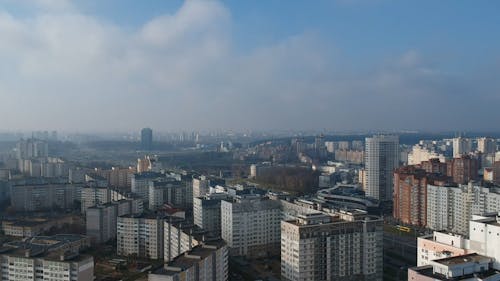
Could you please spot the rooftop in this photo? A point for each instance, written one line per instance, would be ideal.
(190, 258)
(43, 246)
(451, 261)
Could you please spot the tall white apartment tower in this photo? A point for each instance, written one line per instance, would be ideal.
(381, 158)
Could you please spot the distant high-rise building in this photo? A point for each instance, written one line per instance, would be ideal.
(381, 158)
(461, 146)
(486, 145)
(146, 139)
(420, 153)
(434, 166)
(31, 148)
(463, 169)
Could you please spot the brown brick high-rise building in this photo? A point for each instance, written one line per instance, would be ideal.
(463, 169)
(410, 193)
(434, 166)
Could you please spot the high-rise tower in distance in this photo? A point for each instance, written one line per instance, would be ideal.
(381, 158)
(146, 139)
(461, 146)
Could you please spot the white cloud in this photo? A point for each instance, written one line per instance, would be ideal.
(62, 69)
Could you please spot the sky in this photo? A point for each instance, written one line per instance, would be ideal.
(345, 65)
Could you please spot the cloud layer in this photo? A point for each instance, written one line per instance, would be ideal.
(63, 69)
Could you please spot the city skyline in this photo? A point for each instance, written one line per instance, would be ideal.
(124, 65)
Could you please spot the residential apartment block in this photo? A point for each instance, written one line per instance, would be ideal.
(251, 226)
(205, 262)
(450, 208)
(341, 246)
(46, 258)
(140, 235)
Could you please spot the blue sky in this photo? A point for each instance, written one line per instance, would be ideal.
(253, 64)
(359, 28)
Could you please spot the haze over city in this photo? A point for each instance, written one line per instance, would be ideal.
(231, 140)
(343, 65)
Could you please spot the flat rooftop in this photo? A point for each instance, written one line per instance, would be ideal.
(428, 271)
(451, 261)
(189, 259)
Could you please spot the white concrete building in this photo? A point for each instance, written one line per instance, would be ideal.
(470, 267)
(381, 158)
(140, 235)
(344, 246)
(420, 153)
(207, 212)
(46, 258)
(451, 208)
(101, 220)
(201, 186)
(461, 146)
(447, 256)
(251, 227)
(440, 245)
(484, 237)
(92, 196)
(179, 237)
(140, 183)
(167, 191)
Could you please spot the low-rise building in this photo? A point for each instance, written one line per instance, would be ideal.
(440, 245)
(47, 258)
(471, 267)
(32, 227)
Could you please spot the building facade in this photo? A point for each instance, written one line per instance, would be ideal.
(346, 246)
(463, 169)
(452, 207)
(42, 197)
(206, 262)
(58, 259)
(251, 226)
(140, 235)
(147, 139)
(207, 212)
(381, 158)
(410, 194)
